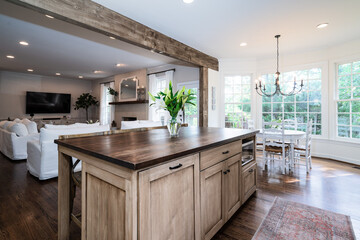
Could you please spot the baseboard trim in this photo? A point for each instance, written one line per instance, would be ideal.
(339, 159)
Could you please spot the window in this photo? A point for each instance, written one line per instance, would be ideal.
(157, 83)
(348, 100)
(302, 107)
(237, 100)
(191, 112)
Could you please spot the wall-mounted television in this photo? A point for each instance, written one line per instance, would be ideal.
(41, 102)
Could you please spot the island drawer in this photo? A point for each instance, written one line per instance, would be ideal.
(213, 156)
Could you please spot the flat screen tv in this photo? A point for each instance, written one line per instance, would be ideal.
(41, 102)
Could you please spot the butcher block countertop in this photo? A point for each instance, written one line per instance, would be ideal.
(137, 150)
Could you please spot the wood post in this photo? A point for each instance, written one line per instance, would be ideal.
(203, 96)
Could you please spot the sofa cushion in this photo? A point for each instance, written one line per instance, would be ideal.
(139, 124)
(18, 128)
(31, 127)
(52, 126)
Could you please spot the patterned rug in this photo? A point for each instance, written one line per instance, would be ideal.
(290, 220)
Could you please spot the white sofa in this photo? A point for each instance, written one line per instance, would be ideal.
(42, 161)
(139, 124)
(14, 136)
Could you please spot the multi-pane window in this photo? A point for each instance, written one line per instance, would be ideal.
(348, 100)
(191, 111)
(302, 107)
(237, 100)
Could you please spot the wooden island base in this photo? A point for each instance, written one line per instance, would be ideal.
(187, 192)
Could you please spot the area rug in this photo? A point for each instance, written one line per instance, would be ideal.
(291, 220)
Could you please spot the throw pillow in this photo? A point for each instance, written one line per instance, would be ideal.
(25, 121)
(31, 127)
(3, 124)
(19, 129)
(17, 120)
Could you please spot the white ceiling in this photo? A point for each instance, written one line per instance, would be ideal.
(57, 46)
(217, 27)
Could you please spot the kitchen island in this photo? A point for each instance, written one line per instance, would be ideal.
(146, 185)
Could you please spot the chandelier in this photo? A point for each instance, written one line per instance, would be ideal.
(261, 89)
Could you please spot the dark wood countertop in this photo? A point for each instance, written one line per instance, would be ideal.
(137, 150)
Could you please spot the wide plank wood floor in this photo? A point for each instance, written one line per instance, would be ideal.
(28, 207)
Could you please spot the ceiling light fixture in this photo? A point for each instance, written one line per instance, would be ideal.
(57, 74)
(322, 25)
(10, 56)
(30, 70)
(24, 43)
(243, 44)
(188, 1)
(261, 90)
(80, 76)
(48, 16)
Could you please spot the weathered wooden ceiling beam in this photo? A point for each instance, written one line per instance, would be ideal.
(95, 17)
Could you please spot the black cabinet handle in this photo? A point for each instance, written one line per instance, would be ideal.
(225, 172)
(226, 152)
(175, 167)
(228, 170)
(251, 170)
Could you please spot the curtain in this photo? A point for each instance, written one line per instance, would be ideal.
(107, 112)
(159, 83)
(103, 104)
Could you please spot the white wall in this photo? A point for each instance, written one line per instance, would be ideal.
(328, 145)
(13, 87)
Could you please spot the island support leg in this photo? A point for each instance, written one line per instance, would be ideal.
(65, 162)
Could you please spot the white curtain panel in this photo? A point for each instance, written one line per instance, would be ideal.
(112, 107)
(103, 103)
(154, 83)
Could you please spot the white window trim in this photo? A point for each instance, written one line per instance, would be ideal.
(324, 94)
(336, 64)
(222, 94)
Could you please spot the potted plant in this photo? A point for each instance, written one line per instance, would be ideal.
(113, 92)
(85, 101)
(173, 103)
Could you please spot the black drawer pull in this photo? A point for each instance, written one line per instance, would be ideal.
(228, 170)
(226, 152)
(177, 166)
(251, 170)
(225, 172)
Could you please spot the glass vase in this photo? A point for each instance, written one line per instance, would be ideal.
(174, 127)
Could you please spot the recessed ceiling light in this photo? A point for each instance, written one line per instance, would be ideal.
(80, 76)
(30, 70)
(57, 74)
(49, 16)
(10, 56)
(120, 65)
(24, 43)
(322, 25)
(112, 38)
(243, 44)
(98, 71)
(188, 1)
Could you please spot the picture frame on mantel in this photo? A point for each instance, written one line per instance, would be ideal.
(128, 89)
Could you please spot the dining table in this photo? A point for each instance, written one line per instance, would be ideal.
(291, 137)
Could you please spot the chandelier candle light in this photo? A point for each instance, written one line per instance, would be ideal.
(261, 89)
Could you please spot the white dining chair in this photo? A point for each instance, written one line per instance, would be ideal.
(274, 145)
(290, 124)
(303, 152)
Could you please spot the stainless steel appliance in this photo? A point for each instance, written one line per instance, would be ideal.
(248, 151)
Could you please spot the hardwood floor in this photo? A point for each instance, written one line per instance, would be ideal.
(28, 207)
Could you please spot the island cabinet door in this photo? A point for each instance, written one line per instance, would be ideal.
(212, 199)
(232, 185)
(169, 201)
(249, 181)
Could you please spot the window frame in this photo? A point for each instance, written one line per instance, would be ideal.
(324, 66)
(252, 102)
(337, 100)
